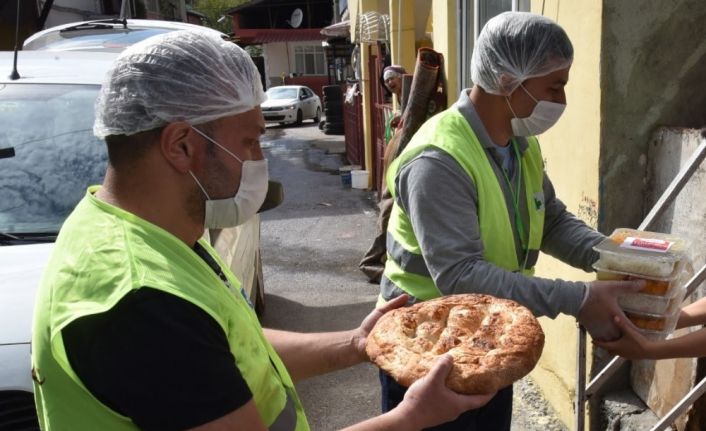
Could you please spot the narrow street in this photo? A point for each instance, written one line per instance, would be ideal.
(311, 246)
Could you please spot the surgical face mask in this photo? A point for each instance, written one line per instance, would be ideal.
(234, 211)
(544, 115)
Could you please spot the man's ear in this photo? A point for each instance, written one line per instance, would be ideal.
(180, 147)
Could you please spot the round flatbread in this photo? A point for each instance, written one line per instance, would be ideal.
(493, 341)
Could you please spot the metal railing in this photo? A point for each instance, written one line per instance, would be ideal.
(583, 392)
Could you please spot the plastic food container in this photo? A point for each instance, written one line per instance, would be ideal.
(651, 322)
(664, 286)
(650, 254)
(652, 304)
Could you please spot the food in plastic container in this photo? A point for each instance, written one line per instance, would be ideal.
(639, 252)
(648, 321)
(653, 304)
(653, 285)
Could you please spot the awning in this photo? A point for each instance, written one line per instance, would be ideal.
(253, 36)
(340, 29)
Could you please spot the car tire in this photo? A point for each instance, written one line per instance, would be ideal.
(300, 117)
(317, 117)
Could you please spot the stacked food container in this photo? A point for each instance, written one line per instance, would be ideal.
(657, 258)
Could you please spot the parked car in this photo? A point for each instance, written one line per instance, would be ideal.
(288, 104)
(48, 157)
(111, 35)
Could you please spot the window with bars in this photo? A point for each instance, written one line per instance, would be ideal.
(310, 60)
(473, 16)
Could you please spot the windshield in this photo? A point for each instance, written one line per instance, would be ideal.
(110, 40)
(281, 93)
(56, 157)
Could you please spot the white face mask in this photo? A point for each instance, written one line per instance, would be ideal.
(230, 212)
(544, 115)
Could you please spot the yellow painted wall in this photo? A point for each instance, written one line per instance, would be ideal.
(571, 151)
(402, 34)
(444, 23)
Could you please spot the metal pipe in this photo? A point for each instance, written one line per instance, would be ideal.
(676, 186)
(580, 403)
(681, 406)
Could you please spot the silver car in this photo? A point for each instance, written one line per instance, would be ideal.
(288, 104)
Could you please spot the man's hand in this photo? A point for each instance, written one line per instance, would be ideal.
(430, 402)
(360, 335)
(601, 305)
(632, 345)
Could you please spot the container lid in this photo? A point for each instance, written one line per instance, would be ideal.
(654, 246)
(599, 265)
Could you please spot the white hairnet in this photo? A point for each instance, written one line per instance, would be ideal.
(515, 46)
(189, 75)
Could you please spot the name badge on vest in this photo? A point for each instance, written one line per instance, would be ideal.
(538, 199)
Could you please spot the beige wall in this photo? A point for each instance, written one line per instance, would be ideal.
(571, 151)
(276, 62)
(444, 22)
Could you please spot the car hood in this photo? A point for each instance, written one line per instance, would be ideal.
(21, 268)
(278, 102)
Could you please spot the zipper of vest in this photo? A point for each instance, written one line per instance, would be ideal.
(516, 199)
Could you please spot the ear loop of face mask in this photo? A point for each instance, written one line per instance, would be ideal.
(507, 100)
(219, 146)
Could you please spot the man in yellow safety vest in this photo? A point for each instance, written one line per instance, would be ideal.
(474, 207)
(138, 324)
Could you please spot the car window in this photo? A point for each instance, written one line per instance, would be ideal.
(110, 40)
(308, 92)
(278, 93)
(50, 128)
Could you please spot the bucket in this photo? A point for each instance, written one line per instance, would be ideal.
(345, 173)
(359, 179)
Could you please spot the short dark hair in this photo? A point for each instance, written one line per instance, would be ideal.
(124, 150)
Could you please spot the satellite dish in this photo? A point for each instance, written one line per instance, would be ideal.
(296, 19)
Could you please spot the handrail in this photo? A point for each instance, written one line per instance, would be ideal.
(604, 375)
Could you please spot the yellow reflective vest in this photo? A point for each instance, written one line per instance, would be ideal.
(450, 132)
(102, 253)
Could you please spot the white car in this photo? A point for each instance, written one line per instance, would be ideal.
(108, 35)
(288, 104)
(48, 157)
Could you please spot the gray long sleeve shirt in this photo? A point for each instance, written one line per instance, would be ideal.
(441, 201)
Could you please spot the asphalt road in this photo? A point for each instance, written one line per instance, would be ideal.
(311, 245)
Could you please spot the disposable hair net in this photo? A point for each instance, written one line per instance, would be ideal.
(515, 46)
(190, 75)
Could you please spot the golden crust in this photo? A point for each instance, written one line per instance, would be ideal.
(493, 341)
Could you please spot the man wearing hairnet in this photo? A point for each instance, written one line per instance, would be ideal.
(138, 323)
(474, 207)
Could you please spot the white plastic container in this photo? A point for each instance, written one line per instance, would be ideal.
(359, 179)
(639, 252)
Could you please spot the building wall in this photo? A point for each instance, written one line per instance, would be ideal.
(444, 20)
(654, 61)
(571, 151)
(276, 62)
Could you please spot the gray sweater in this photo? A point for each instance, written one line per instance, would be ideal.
(441, 201)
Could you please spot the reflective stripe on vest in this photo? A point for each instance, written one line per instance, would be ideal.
(451, 133)
(406, 260)
(102, 254)
(287, 419)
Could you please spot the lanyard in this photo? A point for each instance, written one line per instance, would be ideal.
(516, 196)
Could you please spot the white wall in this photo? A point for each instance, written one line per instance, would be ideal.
(276, 62)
